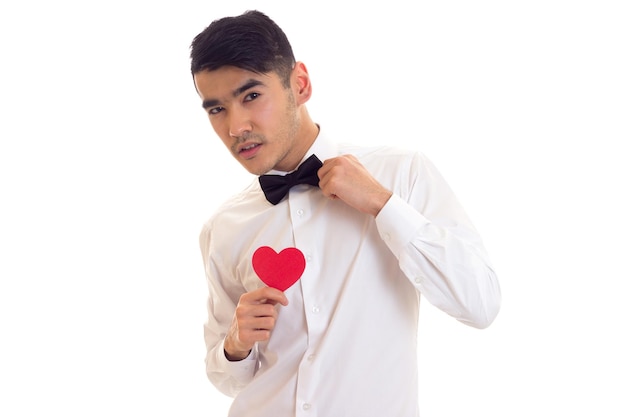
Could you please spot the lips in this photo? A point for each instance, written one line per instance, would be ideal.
(248, 150)
(248, 147)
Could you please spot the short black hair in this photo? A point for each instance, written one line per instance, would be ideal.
(251, 41)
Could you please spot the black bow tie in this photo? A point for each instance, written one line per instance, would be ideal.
(276, 187)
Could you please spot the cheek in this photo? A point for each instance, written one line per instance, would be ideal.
(221, 130)
(219, 126)
(265, 116)
(270, 114)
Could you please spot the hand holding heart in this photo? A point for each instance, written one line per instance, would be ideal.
(254, 320)
(255, 315)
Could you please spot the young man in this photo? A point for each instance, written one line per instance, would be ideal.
(381, 229)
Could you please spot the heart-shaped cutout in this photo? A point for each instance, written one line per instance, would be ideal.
(278, 270)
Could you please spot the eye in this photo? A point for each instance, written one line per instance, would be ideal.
(215, 110)
(251, 96)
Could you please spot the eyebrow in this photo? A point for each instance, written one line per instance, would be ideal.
(251, 83)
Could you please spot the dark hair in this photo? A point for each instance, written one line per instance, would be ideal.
(251, 41)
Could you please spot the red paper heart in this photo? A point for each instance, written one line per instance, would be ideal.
(278, 270)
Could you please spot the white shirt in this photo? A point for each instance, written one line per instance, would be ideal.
(346, 343)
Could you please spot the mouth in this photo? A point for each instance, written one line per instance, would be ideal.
(248, 150)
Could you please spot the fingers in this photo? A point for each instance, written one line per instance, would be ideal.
(334, 174)
(255, 318)
(255, 329)
(345, 178)
(264, 295)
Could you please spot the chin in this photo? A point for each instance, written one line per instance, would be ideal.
(254, 169)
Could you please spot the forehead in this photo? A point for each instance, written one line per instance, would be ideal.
(226, 82)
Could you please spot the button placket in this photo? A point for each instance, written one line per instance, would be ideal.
(305, 235)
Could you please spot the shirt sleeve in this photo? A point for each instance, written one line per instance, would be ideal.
(438, 248)
(229, 377)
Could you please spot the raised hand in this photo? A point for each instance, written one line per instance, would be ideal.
(345, 178)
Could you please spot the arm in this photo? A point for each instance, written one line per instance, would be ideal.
(236, 322)
(428, 231)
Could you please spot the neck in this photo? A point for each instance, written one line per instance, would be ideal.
(307, 133)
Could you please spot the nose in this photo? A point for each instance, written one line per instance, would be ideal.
(239, 123)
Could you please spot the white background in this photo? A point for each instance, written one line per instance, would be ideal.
(106, 161)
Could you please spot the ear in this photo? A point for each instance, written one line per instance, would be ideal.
(301, 83)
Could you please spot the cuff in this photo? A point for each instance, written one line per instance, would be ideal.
(240, 370)
(398, 223)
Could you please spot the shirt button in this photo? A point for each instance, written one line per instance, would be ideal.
(315, 309)
(300, 212)
(418, 280)
(386, 237)
(310, 358)
(306, 406)
(309, 258)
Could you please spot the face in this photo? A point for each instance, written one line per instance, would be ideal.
(256, 117)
